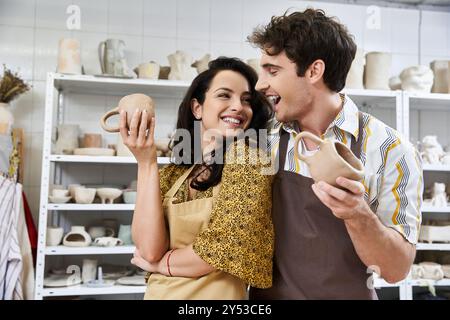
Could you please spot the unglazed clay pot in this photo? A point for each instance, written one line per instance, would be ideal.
(441, 76)
(180, 66)
(92, 140)
(54, 236)
(129, 104)
(148, 70)
(377, 70)
(84, 195)
(355, 76)
(333, 159)
(67, 140)
(69, 57)
(108, 195)
(202, 64)
(77, 237)
(417, 78)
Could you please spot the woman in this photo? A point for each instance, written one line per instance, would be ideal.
(204, 231)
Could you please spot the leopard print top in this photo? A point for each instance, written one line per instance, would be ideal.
(240, 237)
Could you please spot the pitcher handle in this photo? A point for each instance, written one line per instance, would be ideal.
(106, 116)
(101, 55)
(305, 134)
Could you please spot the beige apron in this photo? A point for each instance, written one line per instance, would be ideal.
(186, 220)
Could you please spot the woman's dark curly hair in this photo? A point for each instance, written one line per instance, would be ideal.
(262, 112)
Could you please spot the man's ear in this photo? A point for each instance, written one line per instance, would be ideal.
(196, 109)
(315, 71)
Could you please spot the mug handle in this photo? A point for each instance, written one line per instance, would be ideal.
(305, 134)
(106, 116)
(101, 55)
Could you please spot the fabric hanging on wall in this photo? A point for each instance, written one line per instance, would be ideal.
(10, 255)
(32, 231)
(27, 275)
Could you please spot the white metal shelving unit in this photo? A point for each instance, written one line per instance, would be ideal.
(422, 103)
(58, 86)
(391, 104)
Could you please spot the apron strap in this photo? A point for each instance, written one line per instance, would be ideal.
(282, 150)
(357, 145)
(176, 186)
(173, 190)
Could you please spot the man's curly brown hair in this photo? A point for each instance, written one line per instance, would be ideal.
(306, 37)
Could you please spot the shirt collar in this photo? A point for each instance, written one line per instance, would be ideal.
(346, 120)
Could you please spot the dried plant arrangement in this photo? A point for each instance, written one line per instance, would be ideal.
(11, 86)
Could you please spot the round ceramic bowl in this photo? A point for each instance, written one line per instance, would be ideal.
(84, 195)
(108, 195)
(55, 199)
(129, 196)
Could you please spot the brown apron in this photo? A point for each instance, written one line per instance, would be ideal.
(186, 220)
(314, 257)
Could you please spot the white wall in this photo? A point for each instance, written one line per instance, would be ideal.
(152, 29)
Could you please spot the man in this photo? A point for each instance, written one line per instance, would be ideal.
(328, 237)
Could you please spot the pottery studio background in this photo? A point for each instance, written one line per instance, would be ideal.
(30, 31)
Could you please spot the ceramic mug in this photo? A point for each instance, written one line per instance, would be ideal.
(129, 104)
(333, 159)
(125, 234)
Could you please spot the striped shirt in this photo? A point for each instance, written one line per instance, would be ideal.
(393, 168)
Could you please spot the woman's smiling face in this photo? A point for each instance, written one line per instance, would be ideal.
(227, 107)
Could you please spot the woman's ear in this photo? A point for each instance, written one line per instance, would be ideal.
(196, 109)
(316, 70)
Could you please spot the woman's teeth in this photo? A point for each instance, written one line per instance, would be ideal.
(232, 120)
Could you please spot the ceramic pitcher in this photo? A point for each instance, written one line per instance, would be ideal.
(129, 104)
(112, 57)
(333, 159)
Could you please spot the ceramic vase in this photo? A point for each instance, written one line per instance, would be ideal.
(54, 236)
(355, 76)
(180, 66)
(441, 76)
(67, 139)
(69, 57)
(377, 70)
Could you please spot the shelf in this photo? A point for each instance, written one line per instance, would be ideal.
(81, 290)
(90, 207)
(63, 250)
(433, 246)
(429, 208)
(374, 98)
(119, 87)
(100, 159)
(436, 167)
(424, 283)
(432, 101)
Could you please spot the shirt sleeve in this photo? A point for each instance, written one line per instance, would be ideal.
(400, 196)
(240, 238)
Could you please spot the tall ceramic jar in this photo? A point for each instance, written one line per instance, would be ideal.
(67, 139)
(6, 119)
(378, 70)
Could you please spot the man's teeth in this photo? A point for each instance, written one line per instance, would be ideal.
(273, 99)
(232, 120)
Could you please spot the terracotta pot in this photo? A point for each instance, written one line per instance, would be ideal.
(333, 159)
(92, 140)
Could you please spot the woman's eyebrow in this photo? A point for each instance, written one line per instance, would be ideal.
(226, 89)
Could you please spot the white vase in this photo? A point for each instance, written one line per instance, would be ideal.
(441, 76)
(69, 56)
(377, 71)
(6, 119)
(355, 77)
(89, 270)
(54, 236)
(67, 139)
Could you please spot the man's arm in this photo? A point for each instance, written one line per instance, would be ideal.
(375, 244)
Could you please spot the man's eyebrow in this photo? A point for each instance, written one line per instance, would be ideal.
(270, 65)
